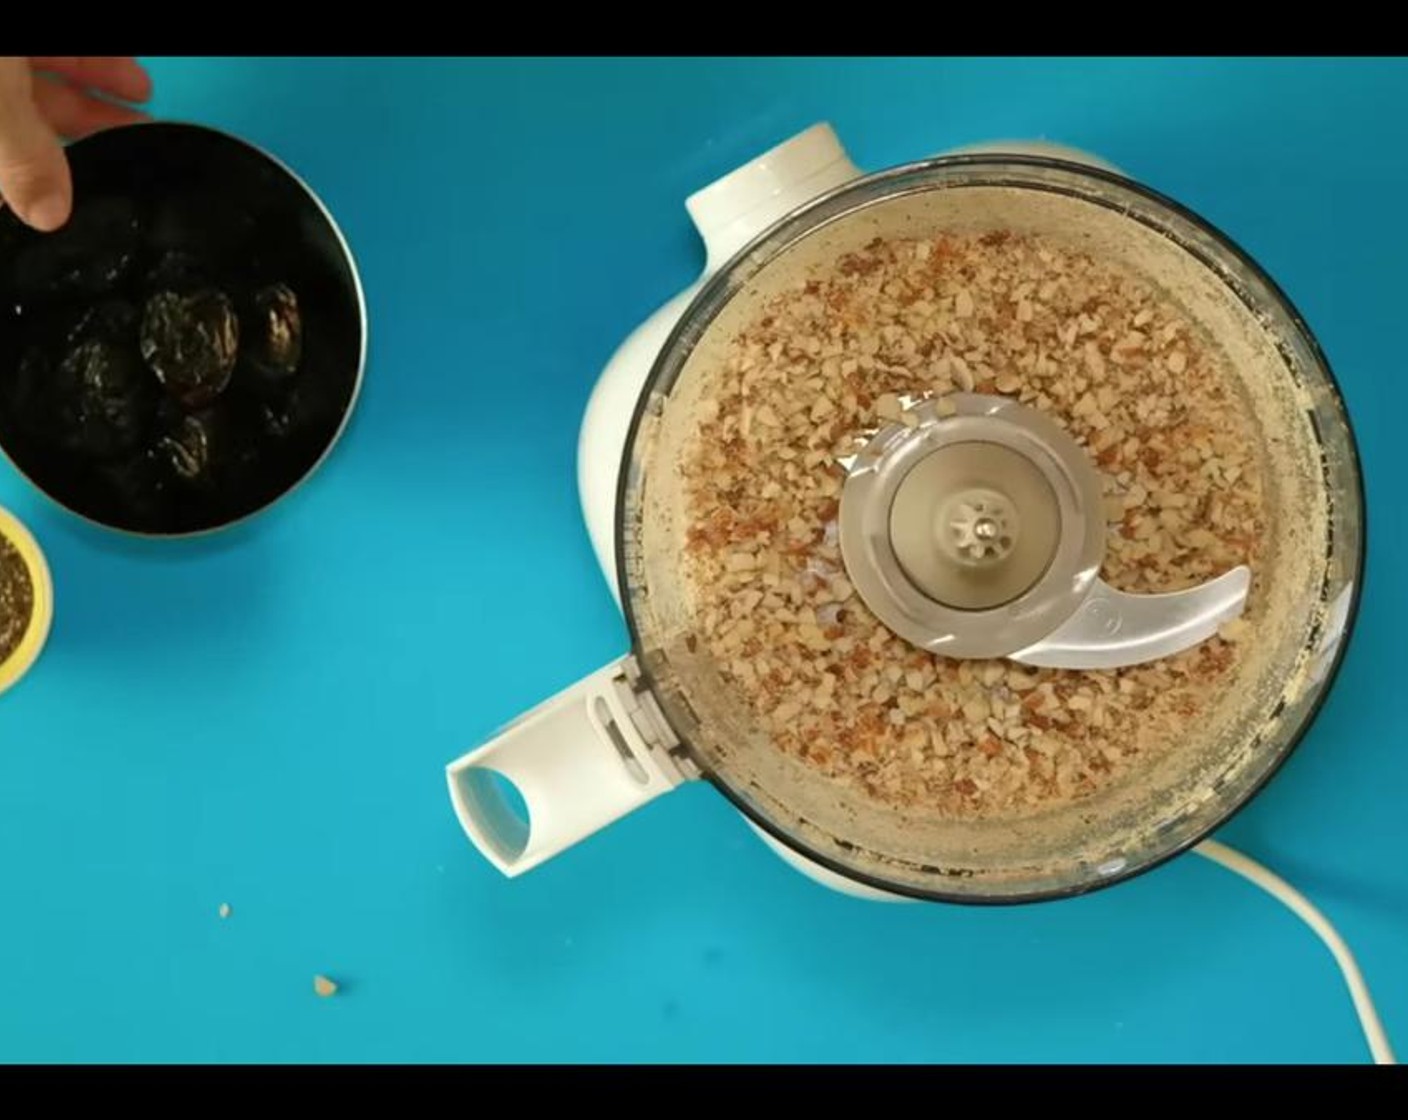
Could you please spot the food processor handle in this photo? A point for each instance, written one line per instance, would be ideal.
(579, 761)
(731, 211)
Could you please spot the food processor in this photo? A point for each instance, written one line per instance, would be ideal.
(968, 526)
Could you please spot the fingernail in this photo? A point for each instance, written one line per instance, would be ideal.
(49, 213)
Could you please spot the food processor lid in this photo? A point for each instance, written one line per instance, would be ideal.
(972, 526)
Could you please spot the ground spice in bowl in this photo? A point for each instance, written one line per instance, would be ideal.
(16, 599)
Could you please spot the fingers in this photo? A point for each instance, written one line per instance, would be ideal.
(122, 78)
(34, 175)
(73, 114)
(43, 96)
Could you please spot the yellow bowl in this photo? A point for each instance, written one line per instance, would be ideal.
(27, 652)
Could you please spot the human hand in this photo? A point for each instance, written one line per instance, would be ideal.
(45, 99)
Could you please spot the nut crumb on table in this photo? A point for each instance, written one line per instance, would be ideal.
(1117, 363)
(324, 987)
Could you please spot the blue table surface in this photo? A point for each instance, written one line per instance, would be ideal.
(262, 718)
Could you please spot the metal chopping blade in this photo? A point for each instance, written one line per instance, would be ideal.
(973, 527)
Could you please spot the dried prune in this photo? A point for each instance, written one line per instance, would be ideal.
(276, 420)
(113, 320)
(88, 256)
(274, 335)
(205, 225)
(188, 449)
(29, 390)
(190, 343)
(137, 487)
(279, 415)
(176, 271)
(97, 396)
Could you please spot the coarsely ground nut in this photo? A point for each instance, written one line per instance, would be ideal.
(1113, 360)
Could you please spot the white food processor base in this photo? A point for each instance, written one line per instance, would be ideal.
(728, 214)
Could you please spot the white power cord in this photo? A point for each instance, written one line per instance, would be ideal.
(1274, 885)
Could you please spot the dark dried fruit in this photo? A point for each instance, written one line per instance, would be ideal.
(190, 343)
(274, 340)
(112, 321)
(29, 390)
(188, 449)
(292, 413)
(276, 420)
(205, 225)
(88, 256)
(137, 486)
(97, 399)
(176, 271)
